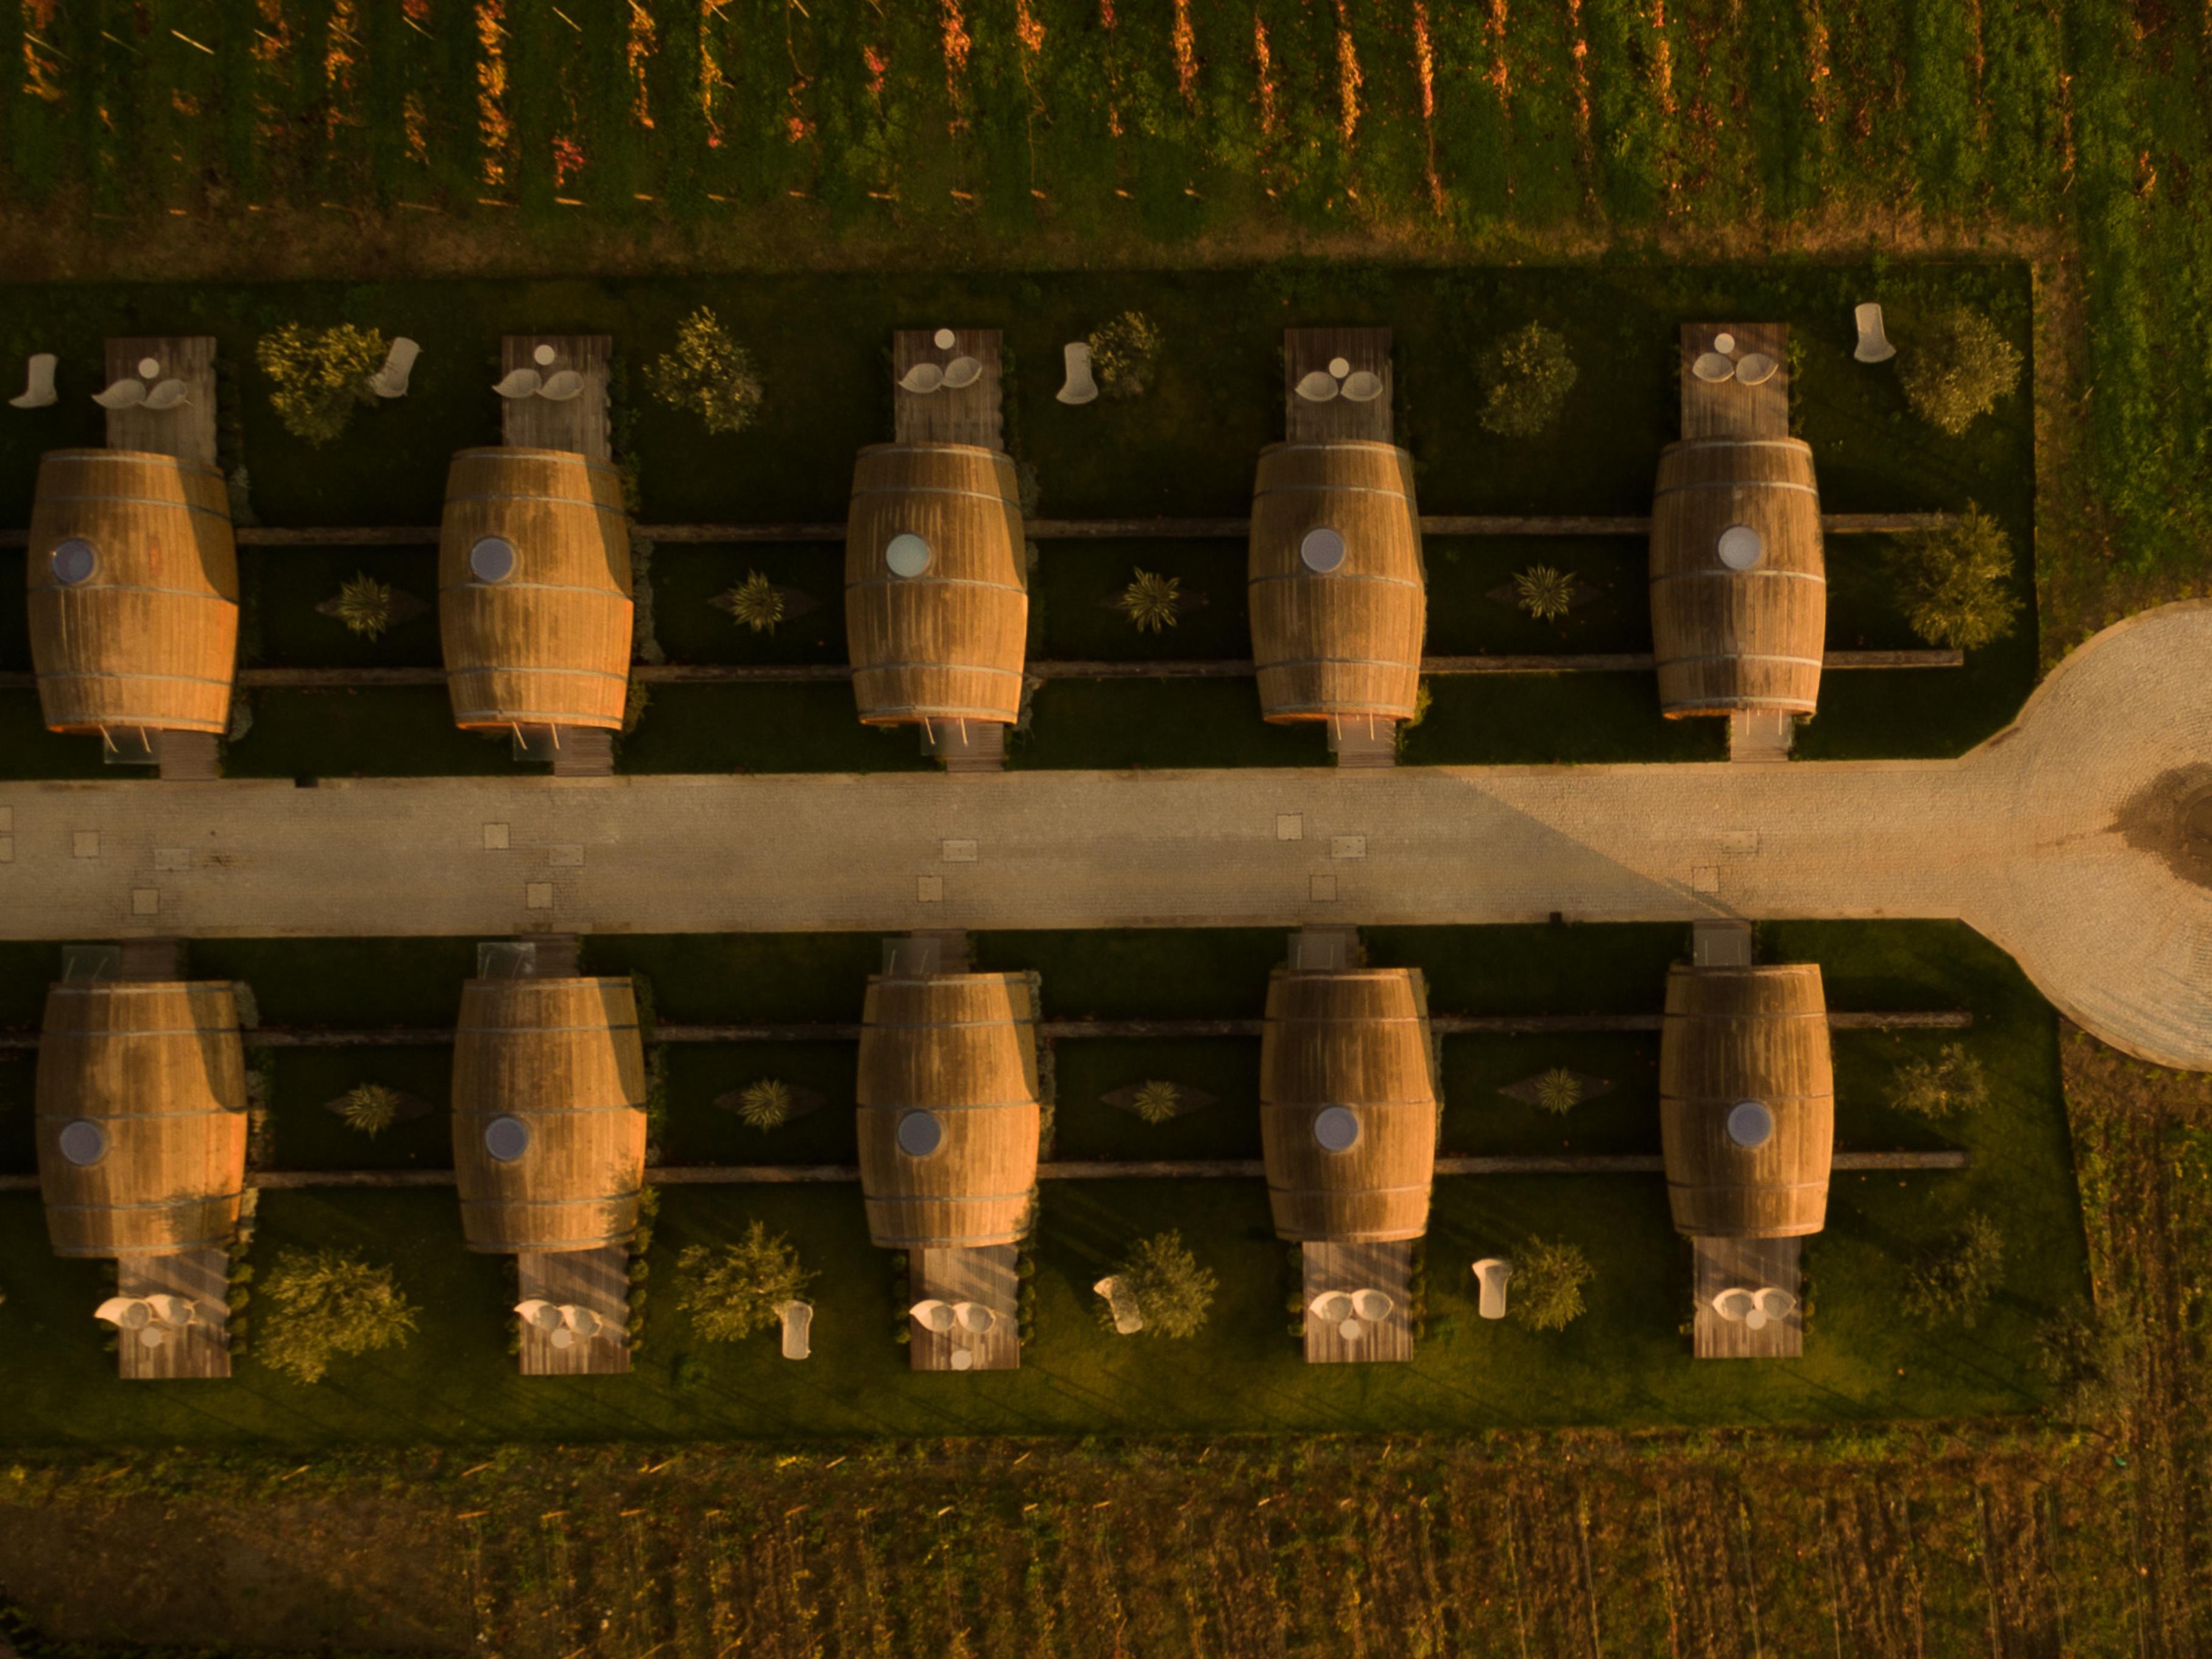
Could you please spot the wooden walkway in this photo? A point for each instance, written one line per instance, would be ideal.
(202, 1349)
(577, 424)
(984, 1275)
(1387, 1267)
(964, 414)
(188, 431)
(1747, 1264)
(1728, 409)
(594, 1279)
(1309, 351)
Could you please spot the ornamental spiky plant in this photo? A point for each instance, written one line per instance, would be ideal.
(364, 605)
(1558, 1090)
(756, 602)
(1545, 593)
(1152, 602)
(371, 1108)
(1158, 1102)
(766, 1105)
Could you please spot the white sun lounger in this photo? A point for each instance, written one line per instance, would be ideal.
(1492, 1274)
(1080, 387)
(391, 380)
(798, 1325)
(1873, 345)
(39, 382)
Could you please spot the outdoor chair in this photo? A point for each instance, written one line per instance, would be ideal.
(585, 1323)
(126, 393)
(922, 377)
(1873, 345)
(538, 1314)
(1127, 1320)
(561, 386)
(521, 383)
(1712, 368)
(933, 1316)
(1079, 387)
(1736, 1306)
(167, 395)
(974, 1318)
(1754, 368)
(1491, 1274)
(1775, 1304)
(1317, 387)
(391, 380)
(1332, 1307)
(1372, 1306)
(798, 1324)
(1362, 386)
(124, 1312)
(961, 371)
(38, 384)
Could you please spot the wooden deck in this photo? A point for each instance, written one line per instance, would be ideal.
(1307, 349)
(579, 425)
(985, 1275)
(971, 415)
(1728, 409)
(1751, 1264)
(1387, 1267)
(202, 1349)
(594, 1279)
(186, 432)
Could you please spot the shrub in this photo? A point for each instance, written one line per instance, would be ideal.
(369, 1107)
(1953, 1081)
(708, 374)
(731, 1291)
(318, 1306)
(1558, 1090)
(1157, 1103)
(1954, 583)
(1545, 594)
(1526, 377)
(364, 605)
(1122, 353)
(1958, 371)
(765, 1105)
(1172, 1292)
(1151, 602)
(319, 376)
(754, 601)
(1955, 1279)
(1548, 1277)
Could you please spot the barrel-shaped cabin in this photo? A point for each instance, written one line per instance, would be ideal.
(133, 593)
(1348, 1110)
(141, 1116)
(1739, 584)
(1747, 1100)
(549, 1113)
(937, 603)
(1336, 588)
(948, 1114)
(534, 594)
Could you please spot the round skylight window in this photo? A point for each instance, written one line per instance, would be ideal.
(1750, 1124)
(72, 560)
(1741, 547)
(83, 1142)
(507, 1138)
(920, 1133)
(1321, 548)
(492, 559)
(1335, 1129)
(907, 554)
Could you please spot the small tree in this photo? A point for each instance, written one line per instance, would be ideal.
(1548, 1277)
(1955, 1279)
(319, 1306)
(731, 1291)
(1558, 1090)
(1151, 602)
(1959, 370)
(1545, 593)
(766, 1105)
(755, 601)
(1158, 1102)
(1952, 1082)
(1526, 377)
(1954, 583)
(369, 1107)
(1172, 1292)
(1122, 353)
(364, 605)
(708, 374)
(319, 376)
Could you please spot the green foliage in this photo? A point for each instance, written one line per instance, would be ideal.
(731, 1291)
(765, 1105)
(1158, 1102)
(1172, 1292)
(1558, 1090)
(1953, 1281)
(1545, 593)
(1546, 1289)
(364, 605)
(755, 601)
(1526, 377)
(1123, 353)
(319, 376)
(370, 1108)
(1151, 602)
(1958, 369)
(1954, 583)
(316, 1307)
(1952, 1082)
(708, 374)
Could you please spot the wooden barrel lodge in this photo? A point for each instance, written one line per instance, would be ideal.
(948, 1109)
(534, 589)
(133, 577)
(141, 1116)
(1336, 587)
(1747, 1100)
(1738, 586)
(937, 602)
(549, 1113)
(1347, 1105)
